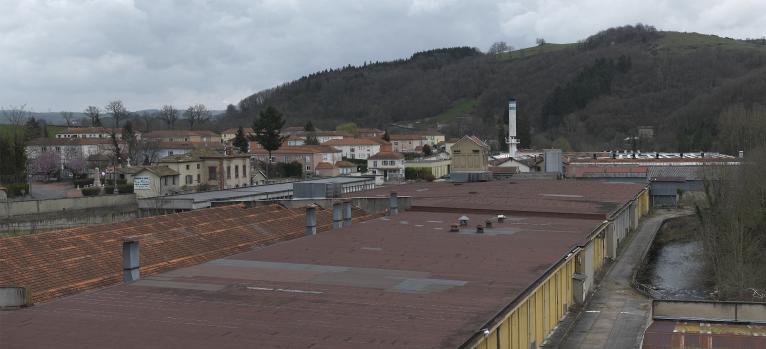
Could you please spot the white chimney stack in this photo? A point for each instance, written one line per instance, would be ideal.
(512, 140)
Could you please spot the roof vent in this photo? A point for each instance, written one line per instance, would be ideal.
(479, 229)
(500, 218)
(463, 220)
(488, 223)
(454, 228)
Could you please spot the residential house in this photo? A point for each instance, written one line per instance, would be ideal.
(92, 132)
(308, 155)
(151, 181)
(201, 169)
(407, 143)
(228, 135)
(340, 168)
(202, 137)
(369, 133)
(387, 165)
(72, 148)
(470, 160)
(357, 148)
(299, 138)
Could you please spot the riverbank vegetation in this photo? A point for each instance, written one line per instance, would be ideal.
(733, 214)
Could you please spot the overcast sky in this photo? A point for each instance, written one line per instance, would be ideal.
(67, 54)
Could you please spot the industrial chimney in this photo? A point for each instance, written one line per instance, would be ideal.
(512, 140)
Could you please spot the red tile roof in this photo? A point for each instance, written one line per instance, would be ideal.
(324, 166)
(355, 141)
(71, 141)
(298, 149)
(68, 261)
(179, 133)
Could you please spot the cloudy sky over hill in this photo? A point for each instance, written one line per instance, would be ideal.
(58, 55)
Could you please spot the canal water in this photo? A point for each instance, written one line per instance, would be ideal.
(674, 267)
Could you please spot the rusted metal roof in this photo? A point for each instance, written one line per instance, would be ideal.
(68, 261)
(669, 334)
(393, 282)
(585, 199)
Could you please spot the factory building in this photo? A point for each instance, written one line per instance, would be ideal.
(469, 265)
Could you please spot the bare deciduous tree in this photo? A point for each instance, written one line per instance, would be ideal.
(147, 151)
(196, 115)
(499, 47)
(169, 115)
(94, 113)
(68, 117)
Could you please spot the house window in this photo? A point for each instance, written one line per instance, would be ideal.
(212, 173)
(174, 180)
(244, 171)
(476, 151)
(197, 177)
(166, 180)
(186, 139)
(228, 172)
(236, 171)
(170, 152)
(308, 167)
(198, 166)
(187, 167)
(374, 164)
(189, 179)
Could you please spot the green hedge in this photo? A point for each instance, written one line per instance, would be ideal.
(91, 191)
(109, 189)
(119, 182)
(125, 188)
(418, 173)
(17, 189)
(82, 182)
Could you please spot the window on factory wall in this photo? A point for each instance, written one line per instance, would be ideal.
(212, 173)
(228, 172)
(189, 179)
(236, 171)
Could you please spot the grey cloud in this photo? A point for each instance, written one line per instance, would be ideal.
(67, 54)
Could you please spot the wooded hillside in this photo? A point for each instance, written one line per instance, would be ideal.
(593, 93)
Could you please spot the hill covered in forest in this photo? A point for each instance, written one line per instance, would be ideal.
(593, 93)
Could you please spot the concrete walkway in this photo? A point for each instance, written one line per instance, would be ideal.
(616, 315)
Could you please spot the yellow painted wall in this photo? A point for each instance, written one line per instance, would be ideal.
(535, 316)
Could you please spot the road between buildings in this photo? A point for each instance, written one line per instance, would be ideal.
(616, 315)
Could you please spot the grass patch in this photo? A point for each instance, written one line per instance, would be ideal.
(6, 130)
(674, 40)
(459, 108)
(534, 50)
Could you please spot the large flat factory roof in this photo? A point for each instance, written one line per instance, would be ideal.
(403, 281)
(582, 199)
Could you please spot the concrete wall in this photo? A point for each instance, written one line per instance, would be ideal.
(68, 219)
(709, 311)
(31, 207)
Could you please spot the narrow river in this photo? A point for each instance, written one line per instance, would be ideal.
(674, 268)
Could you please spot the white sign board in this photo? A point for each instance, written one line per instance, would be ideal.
(142, 183)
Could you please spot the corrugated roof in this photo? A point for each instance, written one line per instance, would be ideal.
(571, 198)
(72, 260)
(663, 334)
(368, 285)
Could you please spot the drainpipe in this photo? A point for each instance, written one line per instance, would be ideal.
(393, 204)
(337, 219)
(346, 213)
(130, 261)
(311, 219)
